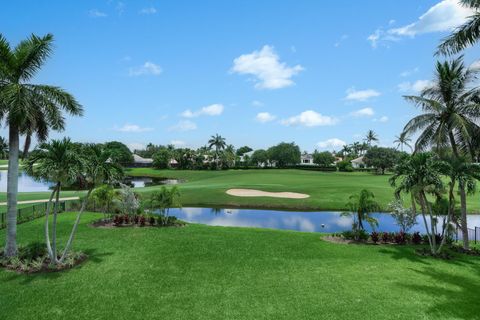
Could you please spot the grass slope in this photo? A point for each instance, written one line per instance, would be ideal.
(201, 272)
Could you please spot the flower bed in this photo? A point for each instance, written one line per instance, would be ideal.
(142, 220)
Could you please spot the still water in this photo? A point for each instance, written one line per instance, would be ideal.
(320, 221)
(28, 184)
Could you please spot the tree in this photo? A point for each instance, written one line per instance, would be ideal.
(119, 152)
(219, 143)
(361, 206)
(127, 200)
(405, 218)
(421, 174)
(60, 163)
(381, 158)
(346, 149)
(161, 159)
(27, 106)
(242, 150)
(323, 159)
(163, 200)
(259, 157)
(450, 114)
(284, 154)
(3, 148)
(104, 195)
(370, 137)
(402, 140)
(464, 36)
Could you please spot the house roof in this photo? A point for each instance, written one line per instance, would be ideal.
(138, 159)
(357, 160)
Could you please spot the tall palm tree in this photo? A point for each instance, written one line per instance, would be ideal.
(403, 140)
(23, 103)
(346, 149)
(370, 137)
(421, 174)
(464, 36)
(3, 148)
(450, 114)
(219, 143)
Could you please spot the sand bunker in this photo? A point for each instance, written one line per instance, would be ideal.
(259, 193)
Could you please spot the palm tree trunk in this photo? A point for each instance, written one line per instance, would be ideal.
(431, 240)
(74, 229)
(26, 145)
(414, 205)
(47, 233)
(54, 225)
(463, 219)
(12, 192)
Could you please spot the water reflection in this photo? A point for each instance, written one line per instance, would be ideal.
(141, 182)
(290, 220)
(25, 183)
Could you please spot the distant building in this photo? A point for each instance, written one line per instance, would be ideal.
(358, 163)
(141, 162)
(307, 159)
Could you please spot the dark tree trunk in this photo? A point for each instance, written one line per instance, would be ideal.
(12, 192)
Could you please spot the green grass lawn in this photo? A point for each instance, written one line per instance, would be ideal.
(327, 190)
(202, 272)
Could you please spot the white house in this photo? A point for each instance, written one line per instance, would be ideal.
(141, 162)
(358, 163)
(307, 159)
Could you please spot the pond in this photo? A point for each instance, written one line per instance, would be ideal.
(25, 183)
(320, 221)
(28, 184)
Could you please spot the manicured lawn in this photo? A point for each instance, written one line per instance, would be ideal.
(327, 190)
(201, 272)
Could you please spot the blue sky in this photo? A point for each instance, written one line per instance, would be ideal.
(257, 72)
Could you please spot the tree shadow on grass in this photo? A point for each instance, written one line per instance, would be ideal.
(92, 256)
(453, 296)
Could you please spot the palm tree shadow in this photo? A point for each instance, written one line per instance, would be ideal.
(453, 296)
(92, 257)
(398, 252)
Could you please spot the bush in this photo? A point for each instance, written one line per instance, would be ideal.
(425, 239)
(151, 220)
(386, 237)
(416, 238)
(344, 166)
(360, 235)
(141, 221)
(400, 238)
(375, 237)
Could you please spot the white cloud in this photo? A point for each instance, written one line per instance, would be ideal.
(257, 103)
(365, 112)
(475, 65)
(149, 10)
(382, 119)
(265, 117)
(211, 110)
(340, 41)
(178, 143)
(94, 13)
(416, 86)
(309, 118)
(331, 143)
(148, 68)
(120, 8)
(133, 128)
(443, 16)
(266, 67)
(408, 73)
(184, 125)
(361, 95)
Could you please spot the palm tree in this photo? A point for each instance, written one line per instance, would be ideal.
(346, 149)
(60, 163)
(420, 174)
(219, 143)
(464, 36)
(402, 140)
(370, 137)
(23, 103)
(450, 114)
(3, 148)
(163, 200)
(362, 205)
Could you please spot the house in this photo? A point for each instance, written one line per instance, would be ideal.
(307, 159)
(141, 162)
(358, 163)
